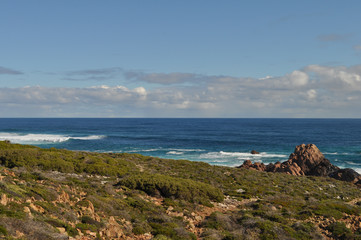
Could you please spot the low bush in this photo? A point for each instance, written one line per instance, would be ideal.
(84, 226)
(335, 209)
(3, 231)
(29, 157)
(340, 231)
(169, 187)
(88, 220)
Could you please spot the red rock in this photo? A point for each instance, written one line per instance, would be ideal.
(307, 160)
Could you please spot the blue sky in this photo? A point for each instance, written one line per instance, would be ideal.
(180, 58)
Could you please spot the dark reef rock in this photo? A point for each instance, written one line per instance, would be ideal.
(307, 160)
(254, 152)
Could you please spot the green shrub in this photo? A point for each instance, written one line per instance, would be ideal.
(58, 223)
(167, 187)
(170, 230)
(55, 222)
(161, 237)
(29, 157)
(91, 221)
(46, 193)
(13, 210)
(141, 227)
(85, 226)
(335, 209)
(340, 231)
(3, 231)
(268, 230)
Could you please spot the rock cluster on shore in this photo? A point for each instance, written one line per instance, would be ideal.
(307, 160)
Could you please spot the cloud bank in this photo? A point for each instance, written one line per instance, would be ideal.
(9, 71)
(314, 91)
(100, 74)
(166, 78)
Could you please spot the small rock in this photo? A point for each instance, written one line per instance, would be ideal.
(62, 230)
(240, 190)
(27, 210)
(4, 199)
(273, 208)
(254, 152)
(37, 208)
(19, 234)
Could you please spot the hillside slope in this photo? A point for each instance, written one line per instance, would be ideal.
(61, 194)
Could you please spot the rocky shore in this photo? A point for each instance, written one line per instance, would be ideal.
(307, 160)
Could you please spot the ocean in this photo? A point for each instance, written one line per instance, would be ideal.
(216, 141)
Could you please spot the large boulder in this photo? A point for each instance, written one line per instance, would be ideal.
(311, 161)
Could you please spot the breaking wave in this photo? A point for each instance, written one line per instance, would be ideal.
(242, 155)
(175, 153)
(44, 138)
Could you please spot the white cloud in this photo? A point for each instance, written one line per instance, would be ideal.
(298, 78)
(266, 77)
(337, 77)
(314, 91)
(101, 74)
(311, 94)
(93, 95)
(166, 78)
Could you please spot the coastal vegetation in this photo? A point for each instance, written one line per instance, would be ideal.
(61, 194)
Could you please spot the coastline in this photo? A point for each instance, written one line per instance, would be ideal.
(66, 194)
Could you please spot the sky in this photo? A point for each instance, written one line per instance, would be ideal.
(190, 58)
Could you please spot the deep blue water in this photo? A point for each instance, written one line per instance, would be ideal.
(216, 141)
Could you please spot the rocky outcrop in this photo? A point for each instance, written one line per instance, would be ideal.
(348, 175)
(307, 160)
(256, 166)
(311, 161)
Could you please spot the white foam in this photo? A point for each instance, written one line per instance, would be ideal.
(186, 150)
(343, 154)
(352, 163)
(43, 138)
(91, 137)
(331, 153)
(169, 150)
(175, 153)
(236, 154)
(243, 155)
(273, 155)
(148, 150)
